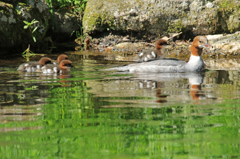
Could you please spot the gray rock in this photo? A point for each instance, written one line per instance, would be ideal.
(229, 43)
(11, 22)
(66, 23)
(151, 17)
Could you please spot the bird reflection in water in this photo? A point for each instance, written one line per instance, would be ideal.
(160, 80)
(46, 78)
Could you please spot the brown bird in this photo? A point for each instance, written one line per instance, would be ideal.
(63, 68)
(32, 66)
(151, 54)
(60, 58)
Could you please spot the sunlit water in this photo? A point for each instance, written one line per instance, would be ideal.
(98, 114)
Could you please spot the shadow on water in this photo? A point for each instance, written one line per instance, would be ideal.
(97, 114)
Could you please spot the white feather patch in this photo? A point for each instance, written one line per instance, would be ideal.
(33, 69)
(49, 70)
(55, 69)
(154, 55)
(29, 69)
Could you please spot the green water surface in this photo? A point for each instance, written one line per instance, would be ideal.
(99, 114)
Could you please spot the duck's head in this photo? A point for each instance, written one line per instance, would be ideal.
(198, 44)
(62, 57)
(65, 64)
(45, 60)
(160, 43)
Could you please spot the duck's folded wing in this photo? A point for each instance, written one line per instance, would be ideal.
(163, 65)
(50, 68)
(162, 62)
(156, 69)
(148, 69)
(28, 66)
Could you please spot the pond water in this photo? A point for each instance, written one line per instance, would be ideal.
(99, 114)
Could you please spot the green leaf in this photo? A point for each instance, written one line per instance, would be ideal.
(25, 27)
(34, 39)
(26, 22)
(72, 33)
(34, 29)
(34, 22)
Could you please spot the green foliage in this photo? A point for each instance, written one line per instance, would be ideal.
(81, 37)
(77, 6)
(79, 34)
(227, 6)
(175, 27)
(229, 11)
(28, 53)
(30, 26)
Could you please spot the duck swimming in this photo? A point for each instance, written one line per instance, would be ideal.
(32, 66)
(60, 58)
(195, 63)
(151, 54)
(63, 68)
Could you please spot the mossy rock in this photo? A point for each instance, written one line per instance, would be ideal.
(12, 16)
(140, 16)
(147, 18)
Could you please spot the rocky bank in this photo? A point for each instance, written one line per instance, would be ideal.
(152, 19)
(123, 25)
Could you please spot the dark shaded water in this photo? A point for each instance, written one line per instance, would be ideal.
(97, 114)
